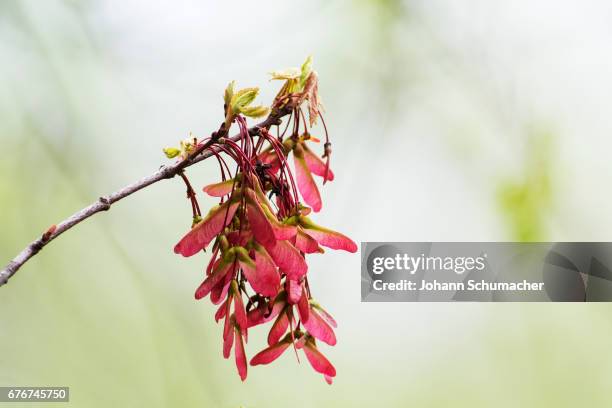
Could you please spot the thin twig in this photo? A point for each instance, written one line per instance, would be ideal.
(104, 203)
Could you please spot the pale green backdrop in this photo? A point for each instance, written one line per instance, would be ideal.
(471, 121)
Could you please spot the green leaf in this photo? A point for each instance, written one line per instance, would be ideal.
(171, 152)
(243, 98)
(255, 111)
(286, 74)
(229, 92)
(306, 70)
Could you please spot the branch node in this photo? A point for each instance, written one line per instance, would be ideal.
(37, 246)
(168, 172)
(106, 204)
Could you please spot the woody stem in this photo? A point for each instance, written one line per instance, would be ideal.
(202, 152)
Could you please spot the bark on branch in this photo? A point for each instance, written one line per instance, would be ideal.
(104, 203)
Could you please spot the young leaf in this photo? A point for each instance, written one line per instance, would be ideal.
(286, 74)
(229, 92)
(171, 152)
(255, 111)
(305, 71)
(243, 98)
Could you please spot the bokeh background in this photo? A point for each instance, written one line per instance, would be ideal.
(470, 121)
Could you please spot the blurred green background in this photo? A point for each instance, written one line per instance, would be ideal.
(470, 121)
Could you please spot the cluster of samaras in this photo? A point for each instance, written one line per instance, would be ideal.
(262, 234)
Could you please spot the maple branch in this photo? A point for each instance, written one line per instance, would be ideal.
(104, 203)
